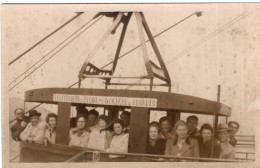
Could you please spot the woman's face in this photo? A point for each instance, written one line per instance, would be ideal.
(118, 128)
(153, 133)
(102, 124)
(81, 123)
(206, 134)
(52, 122)
(165, 126)
(182, 131)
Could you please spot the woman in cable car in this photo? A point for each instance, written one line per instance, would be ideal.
(100, 139)
(206, 132)
(50, 133)
(154, 144)
(79, 136)
(119, 142)
(182, 145)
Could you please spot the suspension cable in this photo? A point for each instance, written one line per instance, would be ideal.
(49, 35)
(219, 30)
(51, 51)
(54, 54)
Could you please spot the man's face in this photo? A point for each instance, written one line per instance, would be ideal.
(234, 128)
(192, 124)
(92, 120)
(223, 136)
(19, 115)
(125, 119)
(165, 126)
(35, 120)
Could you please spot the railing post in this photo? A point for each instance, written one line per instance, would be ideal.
(96, 156)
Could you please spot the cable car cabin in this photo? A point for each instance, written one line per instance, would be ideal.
(140, 103)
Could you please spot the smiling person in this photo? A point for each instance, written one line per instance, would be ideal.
(100, 139)
(50, 133)
(79, 137)
(35, 130)
(165, 129)
(233, 126)
(221, 147)
(92, 120)
(182, 145)
(19, 126)
(125, 117)
(119, 142)
(206, 132)
(154, 144)
(192, 122)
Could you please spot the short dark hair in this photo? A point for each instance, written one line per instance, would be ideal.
(105, 118)
(154, 124)
(18, 109)
(126, 113)
(206, 126)
(192, 117)
(118, 121)
(49, 116)
(93, 112)
(233, 122)
(79, 116)
(165, 118)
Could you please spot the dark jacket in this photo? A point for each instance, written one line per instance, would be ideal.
(157, 149)
(190, 148)
(17, 129)
(202, 147)
(226, 152)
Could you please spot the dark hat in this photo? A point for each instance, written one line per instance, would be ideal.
(223, 127)
(33, 113)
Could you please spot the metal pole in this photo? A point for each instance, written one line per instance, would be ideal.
(215, 120)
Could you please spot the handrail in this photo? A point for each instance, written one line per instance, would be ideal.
(154, 156)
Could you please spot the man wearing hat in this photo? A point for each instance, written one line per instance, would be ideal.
(222, 149)
(35, 130)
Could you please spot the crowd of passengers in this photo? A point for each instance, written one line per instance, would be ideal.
(93, 131)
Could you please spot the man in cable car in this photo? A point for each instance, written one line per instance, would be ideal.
(35, 130)
(192, 122)
(92, 120)
(125, 117)
(21, 123)
(221, 146)
(233, 126)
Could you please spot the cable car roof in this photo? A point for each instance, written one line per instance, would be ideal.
(128, 98)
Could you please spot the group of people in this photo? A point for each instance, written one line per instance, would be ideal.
(186, 140)
(93, 131)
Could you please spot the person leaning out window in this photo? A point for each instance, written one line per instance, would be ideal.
(119, 141)
(182, 145)
(154, 145)
(50, 133)
(79, 137)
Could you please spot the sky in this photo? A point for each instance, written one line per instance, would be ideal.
(218, 48)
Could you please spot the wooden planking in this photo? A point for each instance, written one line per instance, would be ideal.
(139, 122)
(63, 121)
(183, 103)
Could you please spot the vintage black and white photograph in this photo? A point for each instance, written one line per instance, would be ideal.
(130, 83)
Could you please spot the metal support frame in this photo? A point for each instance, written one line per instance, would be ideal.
(142, 25)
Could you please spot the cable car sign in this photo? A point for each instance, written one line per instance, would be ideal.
(106, 100)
